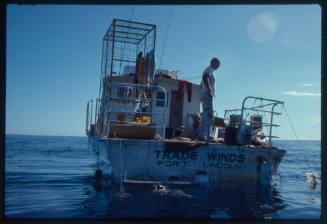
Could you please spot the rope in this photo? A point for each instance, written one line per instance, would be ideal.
(164, 44)
(125, 166)
(123, 49)
(191, 78)
(98, 156)
(289, 120)
(121, 168)
(194, 77)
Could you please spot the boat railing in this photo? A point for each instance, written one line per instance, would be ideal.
(254, 107)
(128, 107)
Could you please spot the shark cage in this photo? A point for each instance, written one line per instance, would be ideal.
(128, 57)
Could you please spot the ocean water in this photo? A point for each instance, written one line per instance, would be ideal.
(53, 177)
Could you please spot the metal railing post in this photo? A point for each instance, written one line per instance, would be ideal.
(271, 120)
(87, 118)
(91, 112)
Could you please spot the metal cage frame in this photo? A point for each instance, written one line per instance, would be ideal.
(122, 42)
(267, 107)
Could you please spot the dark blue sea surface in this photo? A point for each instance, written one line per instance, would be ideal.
(52, 177)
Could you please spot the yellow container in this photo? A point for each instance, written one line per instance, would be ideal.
(132, 131)
(142, 119)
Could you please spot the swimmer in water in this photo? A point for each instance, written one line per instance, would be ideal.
(312, 180)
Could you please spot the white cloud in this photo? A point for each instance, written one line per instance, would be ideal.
(291, 39)
(262, 27)
(307, 84)
(314, 120)
(301, 93)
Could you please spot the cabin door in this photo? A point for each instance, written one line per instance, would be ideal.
(176, 111)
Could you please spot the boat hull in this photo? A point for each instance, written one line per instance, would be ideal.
(141, 160)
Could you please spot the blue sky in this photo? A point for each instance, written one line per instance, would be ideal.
(54, 55)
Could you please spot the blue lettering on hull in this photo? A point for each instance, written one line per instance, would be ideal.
(214, 160)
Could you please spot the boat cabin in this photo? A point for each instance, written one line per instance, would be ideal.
(172, 108)
(138, 100)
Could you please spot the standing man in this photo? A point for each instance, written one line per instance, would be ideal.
(207, 95)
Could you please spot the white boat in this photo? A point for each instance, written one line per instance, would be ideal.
(141, 131)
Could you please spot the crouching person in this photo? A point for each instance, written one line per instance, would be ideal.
(195, 134)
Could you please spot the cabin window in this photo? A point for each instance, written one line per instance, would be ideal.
(160, 98)
(121, 92)
(125, 92)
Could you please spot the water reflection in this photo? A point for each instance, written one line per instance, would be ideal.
(220, 202)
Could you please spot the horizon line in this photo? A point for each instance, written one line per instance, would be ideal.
(45, 135)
